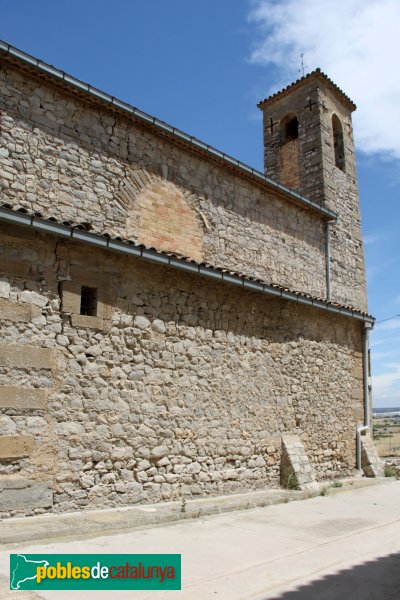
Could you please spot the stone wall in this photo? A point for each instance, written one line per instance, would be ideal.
(178, 387)
(74, 161)
(347, 248)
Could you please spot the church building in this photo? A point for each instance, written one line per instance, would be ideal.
(175, 323)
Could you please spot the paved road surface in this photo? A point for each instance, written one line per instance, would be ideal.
(342, 546)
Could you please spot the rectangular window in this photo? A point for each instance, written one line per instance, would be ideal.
(88, 301)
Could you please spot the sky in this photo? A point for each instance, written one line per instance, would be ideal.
(203, 66)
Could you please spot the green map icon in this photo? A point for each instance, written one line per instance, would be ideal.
(24, 569)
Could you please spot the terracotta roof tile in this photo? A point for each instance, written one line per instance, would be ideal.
(183, 259)
(317, 74)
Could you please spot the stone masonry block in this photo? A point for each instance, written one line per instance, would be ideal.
(71, 297)
(4, 289)
(17, 397)
(357, 372)
(15, 355)
(10, 311)
(296, 470)
(103, 304)
(370, 461)
(86, 321)
(16, 446)
(24, 493)
(357, 394)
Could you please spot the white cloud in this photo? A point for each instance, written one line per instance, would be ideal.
(379, 356)
(355, 42)
(389, 341)
(372, 238)
(386, 387)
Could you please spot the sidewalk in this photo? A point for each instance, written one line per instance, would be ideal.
(326, 547)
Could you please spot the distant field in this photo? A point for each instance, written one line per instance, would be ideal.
(387, 436)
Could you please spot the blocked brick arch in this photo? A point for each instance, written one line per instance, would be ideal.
(160, 216)
(289, 164)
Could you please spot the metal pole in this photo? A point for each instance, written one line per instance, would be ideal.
(365, 427)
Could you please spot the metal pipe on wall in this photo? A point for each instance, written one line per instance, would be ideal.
(367, 416)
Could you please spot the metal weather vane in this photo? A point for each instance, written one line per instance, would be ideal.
(303, 66)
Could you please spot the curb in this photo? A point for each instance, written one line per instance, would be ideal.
(118, 520)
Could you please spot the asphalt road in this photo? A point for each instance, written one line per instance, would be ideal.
(344, 545)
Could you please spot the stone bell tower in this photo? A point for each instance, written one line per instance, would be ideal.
(309, 147)
(308, 137)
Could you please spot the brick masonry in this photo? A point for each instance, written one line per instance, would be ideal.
(289, 164)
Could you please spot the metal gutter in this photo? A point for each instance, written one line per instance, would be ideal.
(162, 127)
(138, 251)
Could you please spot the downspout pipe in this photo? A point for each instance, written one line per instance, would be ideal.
(367, 416)
(359, 432)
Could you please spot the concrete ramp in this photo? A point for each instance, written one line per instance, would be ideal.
(296, 470)
(370, 462)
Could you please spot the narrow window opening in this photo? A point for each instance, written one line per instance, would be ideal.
(289, 129)
(292, 130)
(338, 143)
(289, 152)
(88, 301)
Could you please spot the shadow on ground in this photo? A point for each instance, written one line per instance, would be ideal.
(373, 580)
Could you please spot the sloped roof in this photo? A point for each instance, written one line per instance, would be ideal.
(89, 93)
(314, 75)
(79, 232)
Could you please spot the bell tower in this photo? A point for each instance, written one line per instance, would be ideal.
(308, 137)
(309, 147)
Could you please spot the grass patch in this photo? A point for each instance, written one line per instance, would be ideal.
(390, 471)
(337, 484)
(183, 505)
(292, 483)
